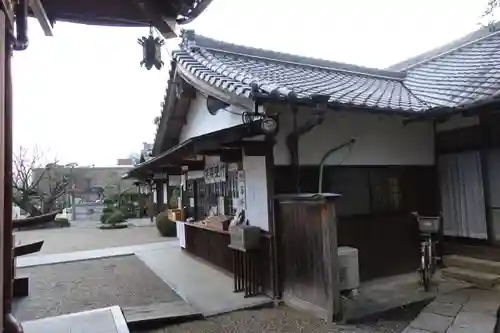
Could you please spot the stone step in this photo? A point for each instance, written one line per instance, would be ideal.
(480, 279)
(479, 265)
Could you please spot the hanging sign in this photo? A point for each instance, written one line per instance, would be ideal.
(215, 174)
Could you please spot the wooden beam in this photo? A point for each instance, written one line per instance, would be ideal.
(166, 26)
(41, 15)
(8, 9)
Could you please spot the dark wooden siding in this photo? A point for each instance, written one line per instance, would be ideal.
(212, 246)
(388, 242)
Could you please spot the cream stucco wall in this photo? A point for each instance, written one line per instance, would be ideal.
(380, 140)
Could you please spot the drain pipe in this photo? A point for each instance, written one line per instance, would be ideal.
(292, 140)
(328, 154)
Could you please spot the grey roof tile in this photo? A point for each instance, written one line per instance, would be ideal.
(461, 76)
(462, 73)
(235, 68)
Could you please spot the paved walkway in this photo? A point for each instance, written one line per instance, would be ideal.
(205, 288)
(85, 235)
(463, 311)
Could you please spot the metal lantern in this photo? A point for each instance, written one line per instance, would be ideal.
(151, 50)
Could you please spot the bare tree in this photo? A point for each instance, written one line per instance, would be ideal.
(37, 186)
(491, 9)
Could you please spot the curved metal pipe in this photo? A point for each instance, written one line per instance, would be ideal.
(323, 160)
(292, 140)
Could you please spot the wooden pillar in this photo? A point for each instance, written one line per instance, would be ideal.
(483, 153)
(10, 324)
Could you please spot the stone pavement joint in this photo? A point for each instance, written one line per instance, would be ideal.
(468, 310)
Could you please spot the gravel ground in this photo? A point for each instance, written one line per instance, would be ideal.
(285, 319)
(77, 286)
(85, 235)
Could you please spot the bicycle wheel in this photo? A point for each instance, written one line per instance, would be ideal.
(425, 269)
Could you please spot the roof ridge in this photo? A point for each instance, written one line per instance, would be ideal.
(466, 42)
(191, 40)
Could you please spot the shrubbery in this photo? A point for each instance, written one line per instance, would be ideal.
(112, 217)
(166, 227)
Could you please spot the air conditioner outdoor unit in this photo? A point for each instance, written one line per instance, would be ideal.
(348, 268)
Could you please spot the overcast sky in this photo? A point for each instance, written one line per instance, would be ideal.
(81, 95)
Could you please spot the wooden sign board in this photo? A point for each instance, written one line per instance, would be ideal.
(160, 176)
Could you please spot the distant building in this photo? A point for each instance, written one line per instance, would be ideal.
(125, 161)
(89, 183)
(147, 150)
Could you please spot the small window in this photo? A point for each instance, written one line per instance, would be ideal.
(385, 191)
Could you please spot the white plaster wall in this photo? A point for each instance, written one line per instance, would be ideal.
(200, 121)
(256, 191)
(165, 193)
(211, 160)
(380, 140)
(457, 121)
(174, 180)
(194, 174)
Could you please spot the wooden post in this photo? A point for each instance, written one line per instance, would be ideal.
(10, 324)
(330, 259)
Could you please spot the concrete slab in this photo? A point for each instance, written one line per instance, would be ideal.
(477, 312)
(432, 322)
(159, 313)
(47, 259)
(107, 320)
(204, 287)
(385, 294)
(489, 306)
(444, 309)
(460, 297)
(414, 330)
(473, 322)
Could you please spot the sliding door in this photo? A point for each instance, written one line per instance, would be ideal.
(462, 195)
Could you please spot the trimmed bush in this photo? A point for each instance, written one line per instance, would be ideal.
(108, 202)
(116, 217)
(165, 226)
(107, 209)
(105, 217)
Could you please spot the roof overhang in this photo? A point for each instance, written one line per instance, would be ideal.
(441, 114)
(185, 153)
(165, 15)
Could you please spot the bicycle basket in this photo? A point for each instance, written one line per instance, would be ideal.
(428, 224)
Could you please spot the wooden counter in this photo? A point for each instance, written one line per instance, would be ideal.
(202, 226)
(212, 245)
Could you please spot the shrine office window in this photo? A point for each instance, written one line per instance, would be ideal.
(385, 191)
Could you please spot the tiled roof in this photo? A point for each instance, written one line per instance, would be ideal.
(461, 75)
(237, 68)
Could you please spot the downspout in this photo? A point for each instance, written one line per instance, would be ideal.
(292, 140)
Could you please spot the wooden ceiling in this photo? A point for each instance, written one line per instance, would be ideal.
(164, 14)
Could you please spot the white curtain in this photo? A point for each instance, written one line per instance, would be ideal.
(462, 195)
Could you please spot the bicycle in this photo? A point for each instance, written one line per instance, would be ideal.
(428, 226)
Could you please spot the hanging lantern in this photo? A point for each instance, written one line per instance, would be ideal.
(151, 50)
